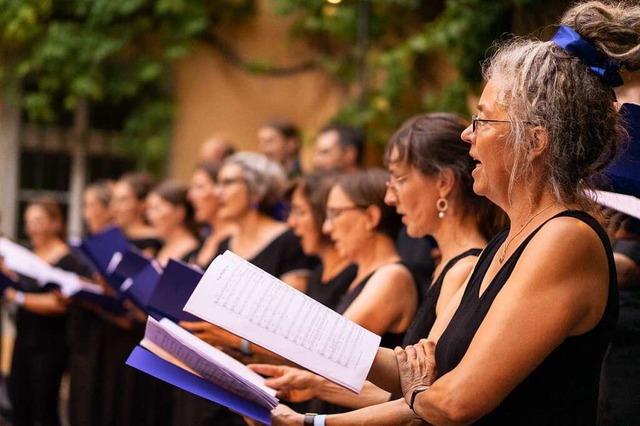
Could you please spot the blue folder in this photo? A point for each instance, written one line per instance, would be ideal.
(132, 261)
(101, 247)
(140, 287)
(624, 173)
(173, 291)
(155, 366)
(107, 303)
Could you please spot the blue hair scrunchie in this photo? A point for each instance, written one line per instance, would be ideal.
(572, 42)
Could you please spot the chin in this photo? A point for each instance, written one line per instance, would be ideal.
(415, 233)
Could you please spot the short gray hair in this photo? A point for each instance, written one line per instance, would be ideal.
(265, 179)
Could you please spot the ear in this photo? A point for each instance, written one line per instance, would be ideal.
(446, 182)
(182, 213)
(373, 217)
(539, 138)
(349, 156)
(292, 145)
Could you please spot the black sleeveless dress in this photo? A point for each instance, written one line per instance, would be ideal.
(282, 255)
(426, 315)
(563, 389)
(389, 340)
(330, 292)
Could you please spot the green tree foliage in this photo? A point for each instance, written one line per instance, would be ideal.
(113, 53)
(404, 38)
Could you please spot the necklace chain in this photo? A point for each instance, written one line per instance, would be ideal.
(506, 245)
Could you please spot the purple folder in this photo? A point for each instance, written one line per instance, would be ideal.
(101, 247)
(140, 287)
(173, 291)
(624, 172)
(155, 366)
(107, 303)
(128, 263)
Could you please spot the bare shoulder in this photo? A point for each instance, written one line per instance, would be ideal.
(567, 240)
(564, 265)
(393, 272)
(392, 278)
(461, 270)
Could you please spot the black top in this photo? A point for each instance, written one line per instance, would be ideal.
(44, 331)
(330, 292)
(563, 389)
(149, 245)
(416, 254)
(282, 255)
(629, 248)
(426, 315)
(389, 340)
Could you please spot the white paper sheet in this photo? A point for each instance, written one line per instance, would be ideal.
(245, 300)
(209, 362)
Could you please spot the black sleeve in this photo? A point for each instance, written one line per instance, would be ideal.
(292, 258)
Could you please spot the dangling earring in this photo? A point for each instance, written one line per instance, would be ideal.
(442, 205)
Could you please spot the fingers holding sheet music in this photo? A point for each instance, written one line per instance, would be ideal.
(211, 334)
(292, 384)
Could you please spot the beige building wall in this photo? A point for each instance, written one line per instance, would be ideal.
(213, 95)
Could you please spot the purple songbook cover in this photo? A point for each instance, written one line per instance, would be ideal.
(101, 247)
(173, 290)
(128, 263)
(157, 367)
(140, 287)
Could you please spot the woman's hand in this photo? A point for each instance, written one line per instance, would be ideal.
(285, 416)
(212, 334)
(281, 415)
(416, 365)
(292, 384)
(8, 272)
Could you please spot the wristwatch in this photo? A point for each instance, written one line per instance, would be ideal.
(415, 393)
(308, 419)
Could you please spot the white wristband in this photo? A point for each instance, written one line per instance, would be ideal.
(19, 298)
(320, 420)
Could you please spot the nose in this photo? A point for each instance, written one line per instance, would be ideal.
(390, 197)
(468, 135)
(217, 191)
(291, 220)
(327, 226)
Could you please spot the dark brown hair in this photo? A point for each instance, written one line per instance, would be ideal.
(368, 188)
(175, 193)
(102, 189)
(53, 210)
(140, 182)
(431, 143)
(315, 189)
(210, 167)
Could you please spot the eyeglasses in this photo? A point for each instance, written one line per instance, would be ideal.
(475, 120)
(297, 211)
(394, 182)
(224, 183)
(334, 212)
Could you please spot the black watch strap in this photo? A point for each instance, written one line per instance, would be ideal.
(415, 393)
(308, 419)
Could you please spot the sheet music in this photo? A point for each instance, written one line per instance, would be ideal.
(208, 362)
(23, 261)
(243, 299)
